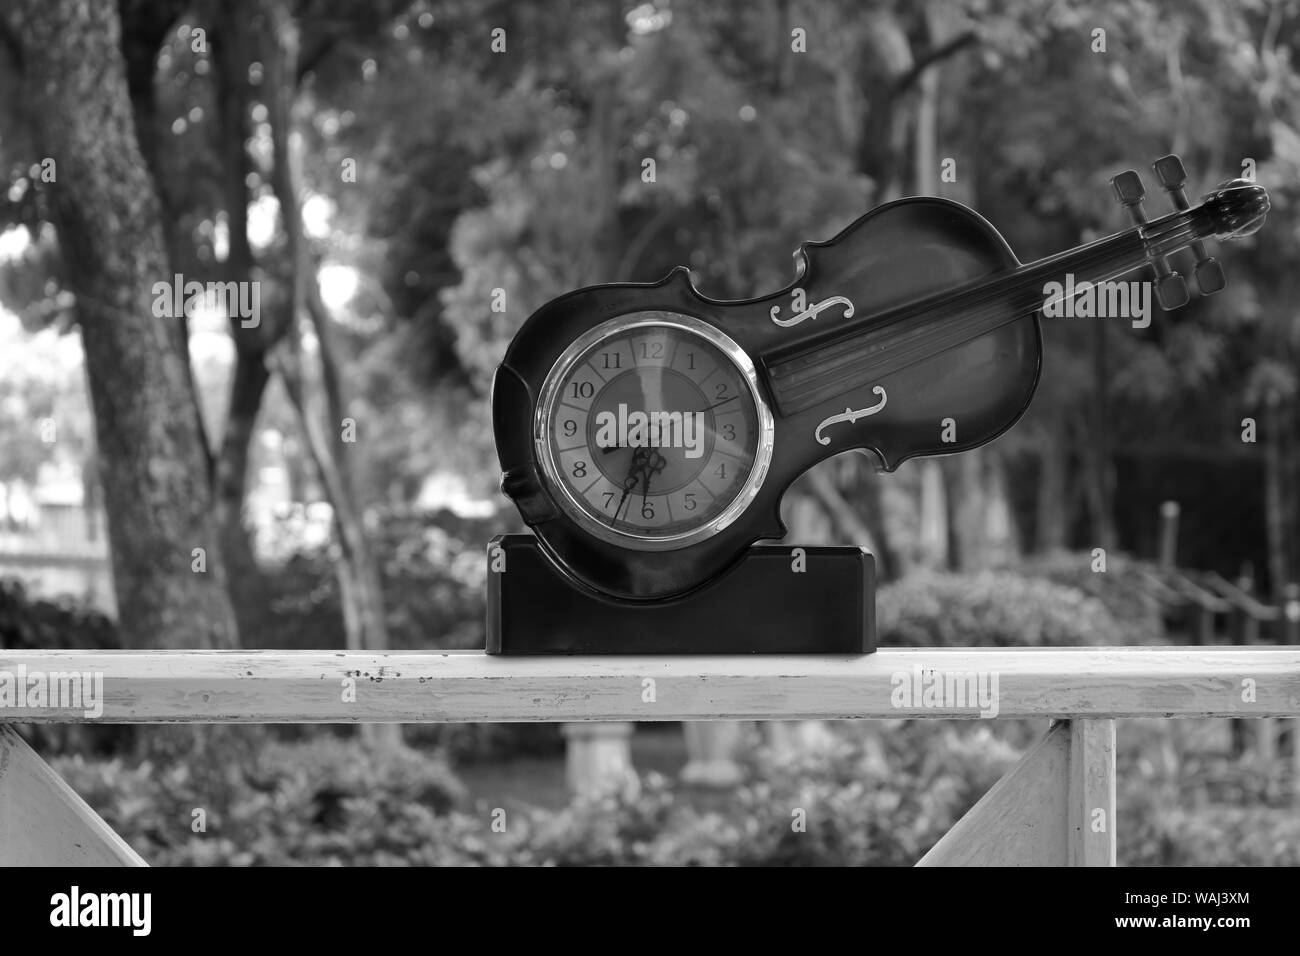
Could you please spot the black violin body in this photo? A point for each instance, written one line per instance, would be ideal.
(913, 332)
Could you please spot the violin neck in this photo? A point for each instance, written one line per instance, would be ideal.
(1109, 258)
(878, 346)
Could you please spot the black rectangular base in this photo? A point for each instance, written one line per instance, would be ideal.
(777, 600)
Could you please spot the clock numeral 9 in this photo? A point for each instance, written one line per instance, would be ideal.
(570, 428)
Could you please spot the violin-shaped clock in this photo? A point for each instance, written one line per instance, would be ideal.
(646, 433)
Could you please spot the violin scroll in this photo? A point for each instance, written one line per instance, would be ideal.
(1239, 208)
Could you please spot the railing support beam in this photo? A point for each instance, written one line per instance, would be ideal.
(43, 822)
(1056, 807)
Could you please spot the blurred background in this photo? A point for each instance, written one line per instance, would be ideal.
(403, 183)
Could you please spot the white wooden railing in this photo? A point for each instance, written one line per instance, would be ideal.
(1057, 806)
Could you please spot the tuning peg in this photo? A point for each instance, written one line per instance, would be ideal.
(1209, 274)
(1171, 290)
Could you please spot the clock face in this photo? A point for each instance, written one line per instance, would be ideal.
(653, 431)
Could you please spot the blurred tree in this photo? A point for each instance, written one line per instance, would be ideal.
(107, 214)
(526, 173)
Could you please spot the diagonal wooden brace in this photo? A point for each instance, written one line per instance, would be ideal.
(1056, 807)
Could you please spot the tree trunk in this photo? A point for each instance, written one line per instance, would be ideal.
(1000, 529)
(1275, 527)
(1050, 503)
(145, 25)
(232, 53)
(847, 522)
(968, 499)
(1101, 469)
(859, 474)
(360, 586)
(1290, 481)
(247, 588)
(105, 209)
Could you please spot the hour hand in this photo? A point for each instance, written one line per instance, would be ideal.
(630, 482)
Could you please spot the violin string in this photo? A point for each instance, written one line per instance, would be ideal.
(1031, 277)
(960, 299)
(1027, 277)
(917, 340)
(900, 340)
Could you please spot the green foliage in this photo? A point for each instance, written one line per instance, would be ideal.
(990, 609)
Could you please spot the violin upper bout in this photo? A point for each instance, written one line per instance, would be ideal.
(680, 275)
(801, 261)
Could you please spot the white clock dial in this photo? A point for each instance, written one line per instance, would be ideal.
(653, 430)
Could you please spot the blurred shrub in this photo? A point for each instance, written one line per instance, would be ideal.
(1120, 588)
(434, 581)
(1189, 802)
(433, 571)
(326, 802)
(990, 609)
(434, 574)
(1222, 835)
(879, 800)
(31, 623)
(477, 743)
(619, 830)
(882, 795)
